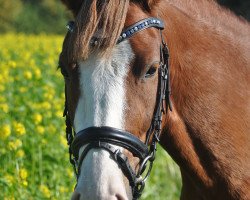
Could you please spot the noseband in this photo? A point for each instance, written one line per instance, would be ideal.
(106, 137)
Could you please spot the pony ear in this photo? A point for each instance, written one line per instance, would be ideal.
(148, 4)
(73, 5)
(152, 3)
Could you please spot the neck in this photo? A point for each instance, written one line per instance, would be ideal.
(200, 134)
(210, 13)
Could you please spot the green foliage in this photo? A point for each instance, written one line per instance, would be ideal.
(47, 18)
(28, 16)
(9, 11)
(34, 161)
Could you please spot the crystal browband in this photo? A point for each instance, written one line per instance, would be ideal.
(130, 31)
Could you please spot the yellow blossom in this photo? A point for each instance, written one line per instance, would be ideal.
(62, 95)
(14, 145)
(9, 198)
(49, 88)
(32, 63)
(59, 113)
(51, 129)
(40, 130)
(45, 191)
(63, 141)
(2, 79)
(23, 174)
(18, 143)
(58, 104)
(12, 64)
(46, 106)
(5, 75)
(37, 118)
(48, 114)
(23, 89)
(27, 75)
(19, 128)
(2, 99)
(4, 107)
(25, 183)
(3, 151)
(2, 88)
(26, 55)
(11, 145)
(5, 131)
(37, 73)
(48, 96)
(44, 141)
(35, 106)
(63, 189)
(69, 172)
(9, 179)
(20, 153)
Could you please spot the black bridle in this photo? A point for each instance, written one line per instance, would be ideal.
(105, 137)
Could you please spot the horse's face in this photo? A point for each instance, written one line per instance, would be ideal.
(118, 90)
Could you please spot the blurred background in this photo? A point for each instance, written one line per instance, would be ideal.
(33, 150)
(49, 16)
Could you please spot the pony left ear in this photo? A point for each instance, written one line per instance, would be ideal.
(151, 3)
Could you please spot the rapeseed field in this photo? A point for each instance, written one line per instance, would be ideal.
(33, 149)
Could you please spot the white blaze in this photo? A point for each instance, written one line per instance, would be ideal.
(102, 91)
(102, 103)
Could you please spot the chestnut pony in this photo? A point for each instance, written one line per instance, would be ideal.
(112, 88)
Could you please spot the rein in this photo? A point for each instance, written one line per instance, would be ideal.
(104, 137)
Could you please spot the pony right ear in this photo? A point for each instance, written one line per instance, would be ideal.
(152, 3)
(73, 5)
(147, 4)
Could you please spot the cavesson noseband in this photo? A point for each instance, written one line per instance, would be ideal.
(105, 137)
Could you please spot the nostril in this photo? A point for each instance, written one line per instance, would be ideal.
(76, 196)
(119, 197)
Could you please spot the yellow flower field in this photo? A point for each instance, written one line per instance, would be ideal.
(33, 150)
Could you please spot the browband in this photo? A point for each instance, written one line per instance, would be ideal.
(139, 26)
(131, 30)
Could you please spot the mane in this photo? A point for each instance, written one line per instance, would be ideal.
(105, 17)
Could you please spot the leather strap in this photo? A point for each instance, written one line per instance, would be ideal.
(116, 154)
(110, 135)
(139, 26)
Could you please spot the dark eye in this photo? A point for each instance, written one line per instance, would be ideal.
(151, 71)
(64, 71)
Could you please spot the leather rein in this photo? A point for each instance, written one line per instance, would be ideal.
(105, 137)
